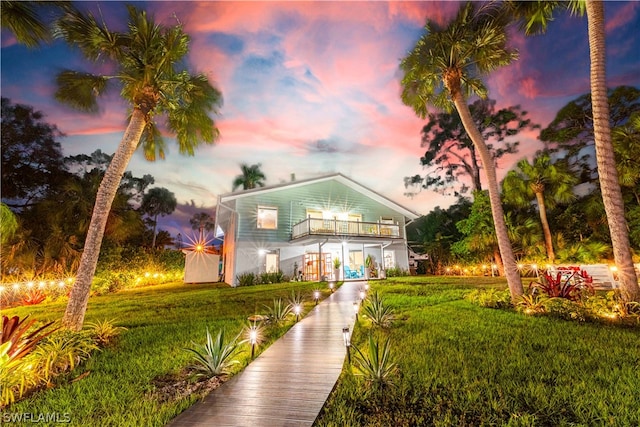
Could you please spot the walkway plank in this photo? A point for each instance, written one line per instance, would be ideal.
(287, 385)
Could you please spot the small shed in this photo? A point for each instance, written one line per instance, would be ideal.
(201, 266)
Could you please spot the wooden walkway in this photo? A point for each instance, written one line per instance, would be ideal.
(289, 382)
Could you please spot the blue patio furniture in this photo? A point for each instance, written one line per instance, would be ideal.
(350, 274)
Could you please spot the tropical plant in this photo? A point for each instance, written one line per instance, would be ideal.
(278, 311)
(215, 357)
(336, 263)
(443, 69)
(605, 153)
(22, 19)
(490, 298)
(378, 312)
(33, 297)
(531, 304)
(251, 177)
(560, 285)
(375, 364)
(14, 332)
(544, 180)
(247, 279)
(62, 352)
(158, 201)
(202, 221)
(145, 61)
(104, 331)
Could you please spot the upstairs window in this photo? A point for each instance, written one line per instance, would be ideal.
(267, 218)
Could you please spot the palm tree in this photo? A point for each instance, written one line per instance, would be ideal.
(158, 201)
(537, 15)
(545, 181)
(251, 177)
(443, 70)
(21, 18)
(145, 63)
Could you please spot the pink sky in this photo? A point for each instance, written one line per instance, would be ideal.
(313, 87)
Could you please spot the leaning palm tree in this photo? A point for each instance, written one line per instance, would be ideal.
(443, 70)
(145, 64)
(548, 182)
(251, 177)
(535, 16)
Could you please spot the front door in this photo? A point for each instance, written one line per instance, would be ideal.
(272, 263)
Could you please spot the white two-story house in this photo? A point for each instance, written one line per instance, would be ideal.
(301, 227)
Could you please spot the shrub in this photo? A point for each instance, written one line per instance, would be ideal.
(104, 331)
(571, 287)
(247, 279)
(567, 309)
(396, 272)
(33, 297)
(491, 298)
(531, 304)
(279, 311)
(376, 366)
(62, 352)
(273, 277)
(215, 357)
(378, 312)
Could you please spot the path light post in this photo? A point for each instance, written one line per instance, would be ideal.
(366, 286)
(296, 310)
(253, 339)
(362, 294)
(347, 342)
(331, 286)
(316, 296)
(356, 308)
(535, 269)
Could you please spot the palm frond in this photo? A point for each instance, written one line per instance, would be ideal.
(80, 90)
(21, 18)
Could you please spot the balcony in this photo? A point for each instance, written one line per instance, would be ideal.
(335, 227)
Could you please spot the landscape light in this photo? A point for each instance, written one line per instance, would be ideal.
(362, 294)
(331, 286)
(347, 341)
(366, 286)
(316, 296)
(253, 339)
(356, 308)
(296, 310)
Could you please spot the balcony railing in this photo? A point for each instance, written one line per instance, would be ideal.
(335, 227)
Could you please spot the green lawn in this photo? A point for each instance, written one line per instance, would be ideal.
(161, 320)
(464, 365)
(459, 364)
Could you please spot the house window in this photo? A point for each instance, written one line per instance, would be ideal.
(267, 218)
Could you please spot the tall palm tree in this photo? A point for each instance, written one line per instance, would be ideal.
(537, 15)
(21, 18)
(158, 201)
(443, 70)
(251, 177)
(545, 181)
(145, 62)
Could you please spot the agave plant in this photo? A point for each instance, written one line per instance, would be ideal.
(279, 311)
(380, 313)
(215, 357)
(376, 366)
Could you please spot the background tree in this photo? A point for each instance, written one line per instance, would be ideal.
(605, 158)
(158, 201)
(443, 69)
(30, 148)
(251, 177)
(8, 223)
(144, 61)
(202, 222)
(547, 182)
(451, 156)
(434, 233)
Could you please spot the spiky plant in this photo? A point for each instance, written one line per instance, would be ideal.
(375, 365)
(279, 311)
(103, 331)
(378, 312)
(215, 357)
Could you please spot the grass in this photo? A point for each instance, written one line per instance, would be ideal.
(161, 321)
(464, 365)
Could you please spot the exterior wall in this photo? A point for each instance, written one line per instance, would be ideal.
(292, 204)
(238, 220)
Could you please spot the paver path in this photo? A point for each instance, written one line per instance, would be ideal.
(289, 382)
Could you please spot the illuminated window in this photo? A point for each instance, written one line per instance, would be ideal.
(267, 218)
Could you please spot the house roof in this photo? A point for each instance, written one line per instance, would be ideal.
(338, 177)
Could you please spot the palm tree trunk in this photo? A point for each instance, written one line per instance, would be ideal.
(79, 297)
(607, 173)
(542, 211)
(155, 225)
(506, 251)
(497, 259)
